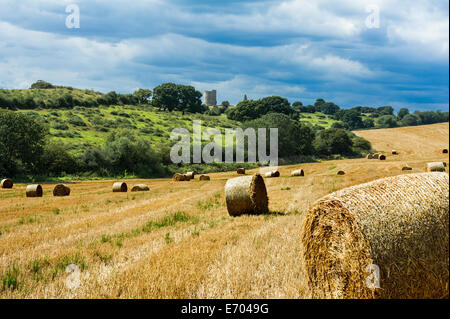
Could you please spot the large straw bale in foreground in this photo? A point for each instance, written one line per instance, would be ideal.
(298, 172)
(7, 183)
(435, 167)
(120, 187)
(61, 190)
(140, 188)
(34, 190)
(398, 223)
(246, 195)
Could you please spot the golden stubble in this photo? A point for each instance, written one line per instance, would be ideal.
(205, 253)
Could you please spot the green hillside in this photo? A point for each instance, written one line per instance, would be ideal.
(82, 127)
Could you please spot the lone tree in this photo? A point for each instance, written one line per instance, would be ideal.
(171, 96)
(190, 100)
(166, 96)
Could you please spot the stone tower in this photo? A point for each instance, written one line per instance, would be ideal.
(211, 98)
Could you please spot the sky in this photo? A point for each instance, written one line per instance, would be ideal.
(365, 52)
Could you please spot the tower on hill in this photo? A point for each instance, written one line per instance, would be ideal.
(211, 98)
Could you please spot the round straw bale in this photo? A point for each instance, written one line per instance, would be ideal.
(272, 174)
(369, 156)
(375, 156)
(341, 173)
(382, 157)
(406, 168)
(204, 178)
(394, 152)
(246, 195)
(7, 183)
(445, 151)
(140, 188)
(435, 167)
(190, 175)
(398, 223)
(61, 190)
(120, 187)
(241, 170)
(298, 172)
(34, 190)
(179, 177)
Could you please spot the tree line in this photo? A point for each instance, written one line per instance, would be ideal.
(170, 96)
(359, 117)
(44, 95)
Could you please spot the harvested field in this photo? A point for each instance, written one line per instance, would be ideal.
(178, 241)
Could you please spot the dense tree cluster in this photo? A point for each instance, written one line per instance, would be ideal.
(296, 139)
(171, 96)
(252, 109)
(26, 149)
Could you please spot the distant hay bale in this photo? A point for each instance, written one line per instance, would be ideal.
(272, 174)
(7, 183)
(394, 152)
(34, 190)
(246, 195)
(204, 178)
(241, 170)
(369, 156)
(375, 156)
(179, 177)
(341, 173)
(399, 223)
(190, 175)
(298, 172)
(61, 190)
(406, 168)
(435, 167)
(140, 188)
(382, 157)
(445, 151)
(120, 187)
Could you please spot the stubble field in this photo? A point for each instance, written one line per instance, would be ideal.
(177, 241)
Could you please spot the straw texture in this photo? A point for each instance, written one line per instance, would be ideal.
(398, 223)
(246, 195)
